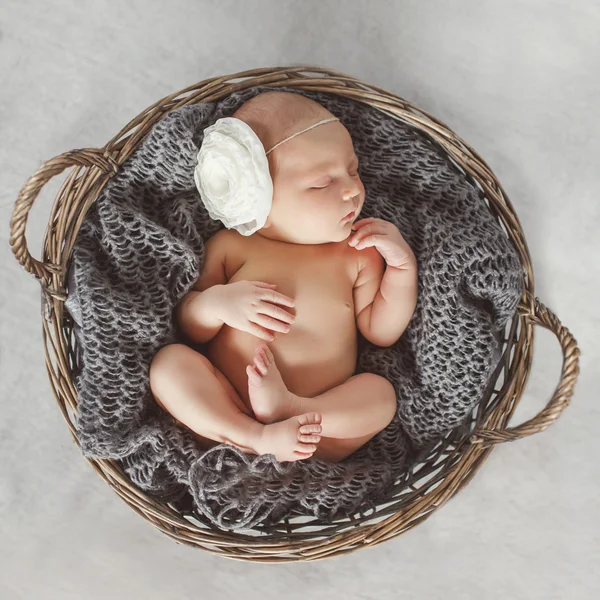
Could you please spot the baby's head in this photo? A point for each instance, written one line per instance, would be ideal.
(315, 174)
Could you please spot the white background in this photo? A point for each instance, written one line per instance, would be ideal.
(517, 79)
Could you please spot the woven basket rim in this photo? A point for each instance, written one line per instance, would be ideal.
(461, 454)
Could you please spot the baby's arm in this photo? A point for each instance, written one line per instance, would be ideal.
(370, 271)
(196, 315)
(384, 302)
(196, 311)
(395, 303)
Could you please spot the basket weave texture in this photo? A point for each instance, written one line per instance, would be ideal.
(438, 476)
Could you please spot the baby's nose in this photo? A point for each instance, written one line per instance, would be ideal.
(350, 190)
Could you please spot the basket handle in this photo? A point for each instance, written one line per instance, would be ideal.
(539, 314)
(86, 157)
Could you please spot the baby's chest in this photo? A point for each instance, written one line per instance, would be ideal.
(320, 349)
(320, 285)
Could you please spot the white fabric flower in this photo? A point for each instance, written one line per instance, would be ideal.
(232, 176)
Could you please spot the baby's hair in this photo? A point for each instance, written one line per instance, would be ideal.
(276, 115)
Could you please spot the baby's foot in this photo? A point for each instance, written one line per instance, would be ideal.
(270, 399)
(295, 438)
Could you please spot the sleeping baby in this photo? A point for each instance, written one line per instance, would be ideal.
(296, 271)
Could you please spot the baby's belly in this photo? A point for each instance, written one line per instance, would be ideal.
(318, 353)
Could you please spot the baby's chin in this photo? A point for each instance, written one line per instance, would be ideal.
(335, 235)
(343, 234)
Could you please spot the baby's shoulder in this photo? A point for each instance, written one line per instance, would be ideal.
(220, 250)
(230, 248)
(224, 241)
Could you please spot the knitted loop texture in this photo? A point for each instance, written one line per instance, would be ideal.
(141, 247)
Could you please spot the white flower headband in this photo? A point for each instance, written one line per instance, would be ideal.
(232, 174)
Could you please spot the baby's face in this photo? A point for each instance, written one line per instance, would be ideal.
(316, 186)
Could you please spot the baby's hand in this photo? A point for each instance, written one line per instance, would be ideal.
(386, 238)
(248, 305)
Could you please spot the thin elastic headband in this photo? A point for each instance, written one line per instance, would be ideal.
(295, 134)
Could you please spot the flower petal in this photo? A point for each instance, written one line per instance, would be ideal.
(232, 176)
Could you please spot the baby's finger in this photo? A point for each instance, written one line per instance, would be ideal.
(370, 240)
(359, 224)
(264, 284)
(277, 298)
(362, 232)
(261, 333)
(270, 323)
(274, 311)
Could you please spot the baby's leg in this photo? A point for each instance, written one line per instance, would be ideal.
(185, 384)
(352, 412)
(336, 449)
(361, 406)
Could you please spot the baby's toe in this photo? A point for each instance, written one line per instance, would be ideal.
(309, 438)
(253, 375)
(302, 455)
(260, 364)
(266, 361)
(306, 448)
(267, 356)
(309, 418)
(314, 428)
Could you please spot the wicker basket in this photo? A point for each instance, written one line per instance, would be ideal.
(446, 468)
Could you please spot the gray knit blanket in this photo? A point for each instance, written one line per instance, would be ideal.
(140, 248)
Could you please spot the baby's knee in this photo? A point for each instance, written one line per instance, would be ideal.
(161, 370)
(163, 361)
(383, 393)
(172, 360)
(173, 355)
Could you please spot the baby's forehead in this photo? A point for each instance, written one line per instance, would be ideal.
(317, 153)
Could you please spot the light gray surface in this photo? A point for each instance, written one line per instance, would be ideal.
(517, 80)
